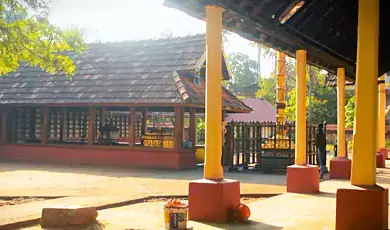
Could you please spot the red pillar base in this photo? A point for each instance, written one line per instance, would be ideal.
(303, 179)
(362, 208)
(385, 152)
(340, 168)
(213, 201)
(380, 160)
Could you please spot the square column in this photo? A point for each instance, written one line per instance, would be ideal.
(364, 205)
(301, 177)
(131, 135)
(192, 128)
(340, 166)
(4, 127)
(44, 126)
(381, 141)
(144, 127)
(91, 125)
(62, 124)
(213, 198)
(178, 129)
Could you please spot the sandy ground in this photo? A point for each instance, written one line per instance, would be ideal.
(18, 200)
(88, 185)
(287, 211)
(80, 182)
(115, 184)
(22, 179)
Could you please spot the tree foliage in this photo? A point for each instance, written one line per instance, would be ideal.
(243, 70)
(200, 130)
(267, 86)
(267, 89)
(26, 35)
(319, 111)
(321, 103)
(350, 112)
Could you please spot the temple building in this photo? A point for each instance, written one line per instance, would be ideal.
(105, 114)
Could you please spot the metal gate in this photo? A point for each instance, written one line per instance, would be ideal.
(264, 146)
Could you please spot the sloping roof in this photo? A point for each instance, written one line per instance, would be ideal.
(262, 111)
(196, 94)
(326, 29)
(141, 72)
(331, 80)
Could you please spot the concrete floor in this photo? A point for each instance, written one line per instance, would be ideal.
(96, 186)
(27, 179)
(286, 211)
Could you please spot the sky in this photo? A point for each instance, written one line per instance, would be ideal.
(119, 20)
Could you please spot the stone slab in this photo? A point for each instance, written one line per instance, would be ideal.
(68, 216)
(29, 211)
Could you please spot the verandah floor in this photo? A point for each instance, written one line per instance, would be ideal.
(286, 211)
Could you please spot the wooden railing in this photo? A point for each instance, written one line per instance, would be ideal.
(264, 146)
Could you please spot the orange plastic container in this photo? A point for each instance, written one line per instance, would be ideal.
(175, 215)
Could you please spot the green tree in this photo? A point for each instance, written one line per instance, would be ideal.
(28, 36)
(350, 112)
(267, 89)
(319, 107)
(243, 70)
(200, 131)
(267, 86)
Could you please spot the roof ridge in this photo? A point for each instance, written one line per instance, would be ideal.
(180, 86)
(151, 39)
(232, 94)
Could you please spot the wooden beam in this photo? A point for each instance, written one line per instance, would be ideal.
(33, 118)
(62, 122)
(178, 129)
(4, 127)
(144, 119)
(91, 125)
(11, 125)
(192, 128)
(281, 36)
(44, 126)
(131, 134)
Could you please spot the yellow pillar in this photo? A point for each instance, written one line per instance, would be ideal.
(366, 109)
(281, 88)
(300, 125)
(381, 140)
(213, 149)
(341, 112)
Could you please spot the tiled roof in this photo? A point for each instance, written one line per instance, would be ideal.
(140, 72)
(262, 111)
(195, 93)
(331, 80)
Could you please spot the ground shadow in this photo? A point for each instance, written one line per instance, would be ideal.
(121, 172)
(383, 176)
(323, 194)
(250, 224)
(95, 226)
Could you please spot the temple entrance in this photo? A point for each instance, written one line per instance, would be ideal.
(264, 146)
